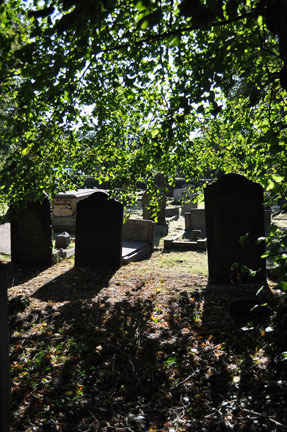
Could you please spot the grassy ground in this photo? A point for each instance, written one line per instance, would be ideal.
(150, 347)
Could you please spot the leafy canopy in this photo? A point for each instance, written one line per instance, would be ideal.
(122, 89)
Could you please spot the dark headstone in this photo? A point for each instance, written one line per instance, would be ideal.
(62, 240)
(233, 209)
(31, 235)
(4, 358)
(161, 184)
(99, 231)
(159, 181)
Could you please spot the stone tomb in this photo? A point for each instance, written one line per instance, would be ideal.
(31, 234)
(99, 231)
(138, 239)
(64, 209)
(234, 208)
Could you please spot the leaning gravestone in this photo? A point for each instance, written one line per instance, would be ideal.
(31, 234)
(4, 361)
(233, 209)
(99, 231)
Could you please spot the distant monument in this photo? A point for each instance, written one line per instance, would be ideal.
(234, 214)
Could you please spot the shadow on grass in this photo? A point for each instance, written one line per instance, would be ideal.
(135, 364)
(79, 283)
(19, 274)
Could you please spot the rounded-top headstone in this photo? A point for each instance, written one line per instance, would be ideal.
(234, 214)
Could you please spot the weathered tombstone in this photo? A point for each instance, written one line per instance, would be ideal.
(62, 240)
(139, 230)
(4, 356)
(161, 183)
(99, 231)
(234, 210)
(159, 180)
(148, 209)
(195, 220)
(31, 234)
(177, 194)
(187, 201)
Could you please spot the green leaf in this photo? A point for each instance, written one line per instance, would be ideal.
(150, 20)
(278, 178)
(142, 5)
(283, 286)
(243, 238)
(174, 41)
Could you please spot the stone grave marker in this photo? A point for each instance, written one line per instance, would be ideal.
(62, 240)
(195, 220)
(159, 181)
(99, 231)
(233, 209)
(31, 234)
(147, 212)
(4, 352)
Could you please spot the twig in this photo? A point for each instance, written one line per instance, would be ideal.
(266, 416)
(182, 382)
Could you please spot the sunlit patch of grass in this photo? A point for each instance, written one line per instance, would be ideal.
(193, 262)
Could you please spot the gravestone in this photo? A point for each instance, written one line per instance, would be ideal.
(148, 209)
(177, 194)
(4, 352)
(159, 181)
(31, 234)
(234, 208)
(195, 220)
(99, 231)
(62, 240)
(187, 201)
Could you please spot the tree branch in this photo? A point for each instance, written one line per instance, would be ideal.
(182, 30)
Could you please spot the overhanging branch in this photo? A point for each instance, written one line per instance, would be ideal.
(180, 31)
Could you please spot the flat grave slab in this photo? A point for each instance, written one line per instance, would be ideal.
(134, 251)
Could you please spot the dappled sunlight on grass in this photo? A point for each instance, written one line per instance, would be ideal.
(140, 349)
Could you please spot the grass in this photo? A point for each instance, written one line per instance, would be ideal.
(146, 348)
(187, 262)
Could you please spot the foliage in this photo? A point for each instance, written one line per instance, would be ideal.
(277, 246)
(123, 89)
